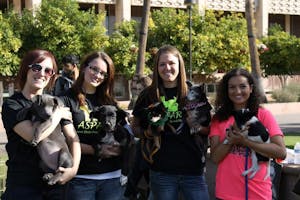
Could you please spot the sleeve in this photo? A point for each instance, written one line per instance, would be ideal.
(218, 128)
(214, 128)
(10, 110)
(139, 111)
(66, 101)
(269, 121)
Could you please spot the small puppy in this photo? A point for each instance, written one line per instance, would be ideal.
(53, 150)
(156, 117)
(112, 131)
(254, 130)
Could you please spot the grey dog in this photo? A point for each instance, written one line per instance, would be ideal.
(53, 150)
(113, 131)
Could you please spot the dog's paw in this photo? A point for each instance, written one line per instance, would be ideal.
(47, 177)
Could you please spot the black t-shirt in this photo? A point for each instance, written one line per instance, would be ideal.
(23, 159)
(87, 130)
(178, 153)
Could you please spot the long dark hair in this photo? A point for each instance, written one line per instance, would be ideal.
(104, 91)
(31, 57)
(156, 89)
(224, 105)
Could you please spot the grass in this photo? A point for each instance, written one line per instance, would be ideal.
(290, 139)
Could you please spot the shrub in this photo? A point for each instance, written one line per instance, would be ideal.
(285, 95)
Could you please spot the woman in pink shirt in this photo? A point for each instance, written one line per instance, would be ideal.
(237, 90)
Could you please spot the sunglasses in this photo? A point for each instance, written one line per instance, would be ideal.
(37, 68)
(97, 71)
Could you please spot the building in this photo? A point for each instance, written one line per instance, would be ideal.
(267, 12)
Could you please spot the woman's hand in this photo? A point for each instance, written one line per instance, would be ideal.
(235, 136)
(109, 150)
(67, 174)
(62, 113)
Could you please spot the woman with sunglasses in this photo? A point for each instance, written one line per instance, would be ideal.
(95, 179)
(24, 175)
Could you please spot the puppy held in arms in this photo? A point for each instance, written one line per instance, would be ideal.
(114, 131)
(156, 116)
(197, 107)
(254, 130)
(53, 150)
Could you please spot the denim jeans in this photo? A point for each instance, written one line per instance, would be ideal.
(88, 189)
(168, 186)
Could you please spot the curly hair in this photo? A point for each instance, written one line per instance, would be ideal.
(224, 106)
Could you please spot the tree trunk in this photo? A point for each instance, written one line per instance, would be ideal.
(143, 39)
(140, 81)
(255, 64)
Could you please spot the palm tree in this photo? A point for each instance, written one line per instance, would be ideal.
(255, 64)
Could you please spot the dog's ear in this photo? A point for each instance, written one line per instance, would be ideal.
(94, 112)
(202, 86)
(122, 115)
(37, 99)
(189, 84)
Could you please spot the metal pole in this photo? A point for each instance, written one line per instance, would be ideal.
(190, 40)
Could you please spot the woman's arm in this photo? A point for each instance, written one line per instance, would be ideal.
(218, 150)
(27, 128)
(74, 146)
(274, 149)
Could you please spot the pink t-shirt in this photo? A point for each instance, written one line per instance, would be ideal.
(230, 184)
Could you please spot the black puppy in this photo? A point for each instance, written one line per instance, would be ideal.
(53, 150)
(197, 107)
(112, 131)
(155, 117)
(253, 129)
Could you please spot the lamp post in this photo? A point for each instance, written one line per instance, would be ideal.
(189, 4)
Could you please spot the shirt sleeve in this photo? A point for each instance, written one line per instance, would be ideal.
(10, 110)
(269, 121)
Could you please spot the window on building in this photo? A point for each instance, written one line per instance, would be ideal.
(277, 19)
(295, 25)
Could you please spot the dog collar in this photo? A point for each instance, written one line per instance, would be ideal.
(194, 105)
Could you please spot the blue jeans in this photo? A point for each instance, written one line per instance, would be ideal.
(167, 186)
(88, 189)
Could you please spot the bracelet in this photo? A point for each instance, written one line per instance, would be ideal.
(97, 150)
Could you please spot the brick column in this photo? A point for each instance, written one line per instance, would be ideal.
(123, 10)
(17, 6)
(261, 17)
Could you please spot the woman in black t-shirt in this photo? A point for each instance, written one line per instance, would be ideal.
(24, 175)
(97, 177)
(178, 165)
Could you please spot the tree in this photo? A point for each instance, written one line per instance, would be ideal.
(282, 57)
(123, 48)
(219, 40)
(255, 64)
(59, 26)
(10, 43)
